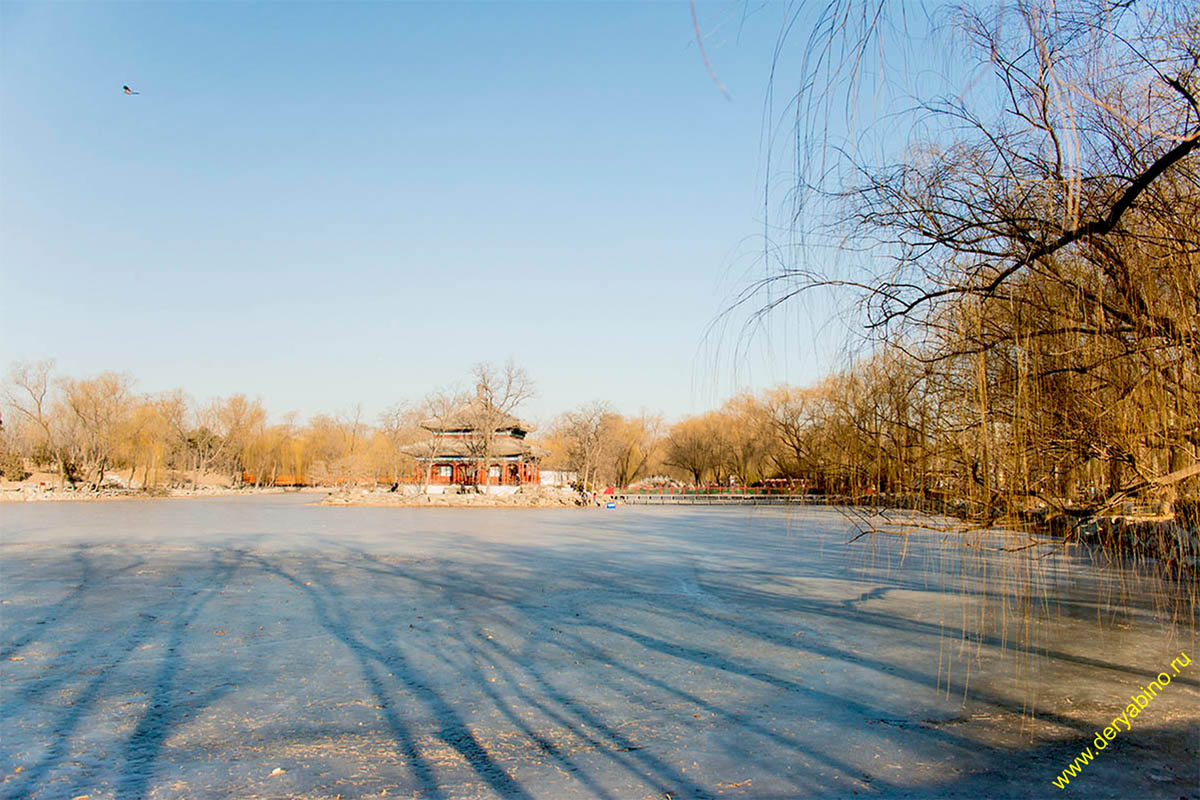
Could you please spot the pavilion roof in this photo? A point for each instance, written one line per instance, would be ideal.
(502, 447)
(472, 416)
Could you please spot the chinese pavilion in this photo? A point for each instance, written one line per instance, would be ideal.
(458, 453)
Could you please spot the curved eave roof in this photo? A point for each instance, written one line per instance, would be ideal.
(469, 417)
(455, 448)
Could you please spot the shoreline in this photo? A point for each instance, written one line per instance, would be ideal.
(332, 497)
(21, 495)
(516, 500)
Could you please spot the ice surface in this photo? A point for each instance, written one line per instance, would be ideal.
(265, 647)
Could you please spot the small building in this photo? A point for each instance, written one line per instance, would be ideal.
(458, 453)
(559, 479)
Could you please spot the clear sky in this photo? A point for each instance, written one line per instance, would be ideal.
(322, 204)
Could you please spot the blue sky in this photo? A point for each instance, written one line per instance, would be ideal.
(326, 204)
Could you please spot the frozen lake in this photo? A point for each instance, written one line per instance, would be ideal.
(264, 647)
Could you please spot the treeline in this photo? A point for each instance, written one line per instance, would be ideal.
(951, 431)
(977, 431)
(88, 430)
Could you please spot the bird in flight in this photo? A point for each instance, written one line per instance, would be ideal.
(127, 90)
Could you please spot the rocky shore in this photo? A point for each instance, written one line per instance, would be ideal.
(532, 497)
(522, 498)
(39, 494)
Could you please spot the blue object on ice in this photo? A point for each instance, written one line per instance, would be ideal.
(611, 505)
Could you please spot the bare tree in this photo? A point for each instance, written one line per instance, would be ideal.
(746, 440)
(397, 424)
(692, 445)
(635, 447)
(175, 409)
(438, 404)
(95, 410)
(500, 391)
(29, 393)
(587, 433)
(234, 421)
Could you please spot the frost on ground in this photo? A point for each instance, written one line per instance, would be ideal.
(265, 647)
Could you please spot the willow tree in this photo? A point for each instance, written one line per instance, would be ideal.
(1033, 238)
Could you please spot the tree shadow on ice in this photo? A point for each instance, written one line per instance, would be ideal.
(90, 577)
(503, 588)
(497, 669)
(387, 672)
(1159, 761)
(575, 715)
(84, 677)
(397, 683)
(170, 703)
